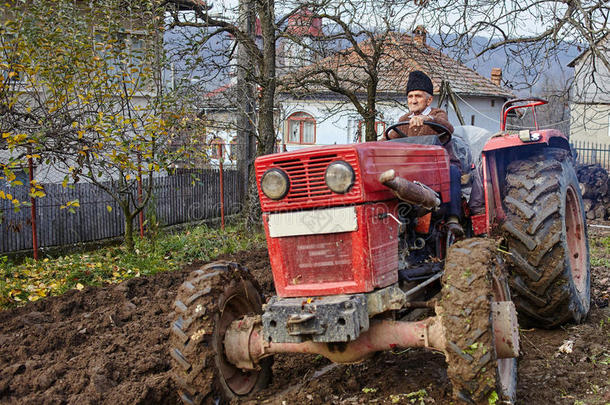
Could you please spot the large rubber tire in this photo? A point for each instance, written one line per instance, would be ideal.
(473, 278)
(547, 238)
(206, 304)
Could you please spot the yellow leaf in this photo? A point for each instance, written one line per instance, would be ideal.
(79, 286)
(2, 195)
(109, 208)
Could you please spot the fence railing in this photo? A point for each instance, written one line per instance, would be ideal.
(177, 199)
(589, 152)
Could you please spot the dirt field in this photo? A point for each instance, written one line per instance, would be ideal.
(108, 346)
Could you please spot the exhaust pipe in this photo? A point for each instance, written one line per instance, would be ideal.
(411, 192)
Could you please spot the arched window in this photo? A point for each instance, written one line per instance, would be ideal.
(301, 129)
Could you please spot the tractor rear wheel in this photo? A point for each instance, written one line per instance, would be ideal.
(206, 304)
(473, 279)
(546, 233)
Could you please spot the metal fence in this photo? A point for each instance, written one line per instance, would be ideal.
(182, 198)
(589, 153)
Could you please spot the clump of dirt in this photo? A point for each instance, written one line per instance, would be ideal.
(109, 345)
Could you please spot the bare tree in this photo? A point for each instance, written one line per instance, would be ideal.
(530, 33)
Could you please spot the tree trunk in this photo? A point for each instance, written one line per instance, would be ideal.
(266, 103)
(128, 230)
(371, 113)
(246, 117)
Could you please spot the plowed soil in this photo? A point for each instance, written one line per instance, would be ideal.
(108, 345)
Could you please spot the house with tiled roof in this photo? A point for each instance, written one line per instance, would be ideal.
(313, 115)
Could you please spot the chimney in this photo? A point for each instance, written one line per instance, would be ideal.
(419, 35)
(496, 76)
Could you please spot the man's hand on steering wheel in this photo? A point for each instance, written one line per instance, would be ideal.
(443, 134)
(418, 120)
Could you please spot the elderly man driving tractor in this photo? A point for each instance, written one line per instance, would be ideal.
(421, 120)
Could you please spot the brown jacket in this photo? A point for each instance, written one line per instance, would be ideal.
(440, 117)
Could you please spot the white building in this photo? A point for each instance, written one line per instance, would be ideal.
(590, 96)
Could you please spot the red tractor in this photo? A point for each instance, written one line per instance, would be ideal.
(357, 239)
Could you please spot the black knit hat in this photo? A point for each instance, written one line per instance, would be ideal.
(418, 80)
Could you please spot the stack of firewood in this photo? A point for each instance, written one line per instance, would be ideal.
(594, 186)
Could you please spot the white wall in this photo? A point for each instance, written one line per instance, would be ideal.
(336, 123)
(590, 123)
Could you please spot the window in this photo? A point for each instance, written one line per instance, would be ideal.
(125, 55)
(493, 102)
(233, 149)
(361, 133)
(21, 179)
(472, 120)
(301, 129)
(217, 148)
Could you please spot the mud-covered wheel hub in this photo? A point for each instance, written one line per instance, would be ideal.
(506, 367)
(207, 303)
(240, 382)
(473, 280)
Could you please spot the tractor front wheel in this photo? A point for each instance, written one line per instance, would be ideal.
(547, 237)
(206, 304)
(473, 279)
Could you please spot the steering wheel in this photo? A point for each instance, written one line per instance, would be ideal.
(444, 136)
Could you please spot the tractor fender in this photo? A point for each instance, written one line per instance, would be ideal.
(506, 140)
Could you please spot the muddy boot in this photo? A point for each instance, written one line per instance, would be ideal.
(453, 226)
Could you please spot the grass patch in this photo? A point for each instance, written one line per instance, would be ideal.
(600, 251)
(31, 280)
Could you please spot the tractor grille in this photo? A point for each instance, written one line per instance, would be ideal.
(317, 259)
(306, 176)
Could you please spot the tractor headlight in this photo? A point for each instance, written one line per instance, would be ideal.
(339, 177)
(275, 184)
